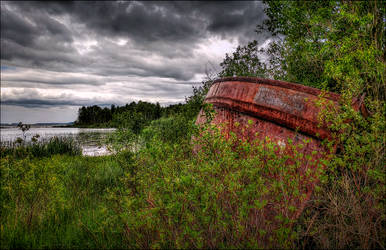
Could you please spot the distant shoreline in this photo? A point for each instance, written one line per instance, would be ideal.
(56, 126)
(40, 125)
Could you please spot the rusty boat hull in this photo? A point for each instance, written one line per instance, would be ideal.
(278, 110)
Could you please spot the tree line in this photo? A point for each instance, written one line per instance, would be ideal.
(135, 115)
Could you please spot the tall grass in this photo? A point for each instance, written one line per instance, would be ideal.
(175, 192)
(43, 148)
(58, 202)
(167, 195)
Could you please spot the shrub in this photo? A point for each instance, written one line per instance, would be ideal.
(171, 130)
(213, 198)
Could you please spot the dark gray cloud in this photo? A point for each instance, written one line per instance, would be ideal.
(32, 29)
(39, 102)
(100, 52)
(180, 21)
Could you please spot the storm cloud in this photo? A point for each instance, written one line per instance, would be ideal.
(69, 54)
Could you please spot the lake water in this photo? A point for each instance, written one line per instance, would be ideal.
(91, 140)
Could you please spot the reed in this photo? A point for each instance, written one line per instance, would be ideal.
(43, 148)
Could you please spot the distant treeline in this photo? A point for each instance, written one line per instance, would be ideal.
(133, 115)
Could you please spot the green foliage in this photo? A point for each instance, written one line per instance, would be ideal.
(172, 129)
(123, 139)
(142, 112)
(131, 120)
(295, 55)
(210, 193)
(243, 62)
(94, 115)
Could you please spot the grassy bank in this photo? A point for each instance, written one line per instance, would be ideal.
(176, 193)
(163, 196)
(55, 202)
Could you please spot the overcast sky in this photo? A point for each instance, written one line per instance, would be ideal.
(56, 57)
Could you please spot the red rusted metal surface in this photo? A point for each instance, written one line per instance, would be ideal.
(278, 110)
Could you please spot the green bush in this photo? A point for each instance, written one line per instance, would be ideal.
(209, 194)
(172, 129)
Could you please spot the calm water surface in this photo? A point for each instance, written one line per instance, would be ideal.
(91, 140)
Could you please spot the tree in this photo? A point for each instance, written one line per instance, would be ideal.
(328, 44)
(243, 62)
